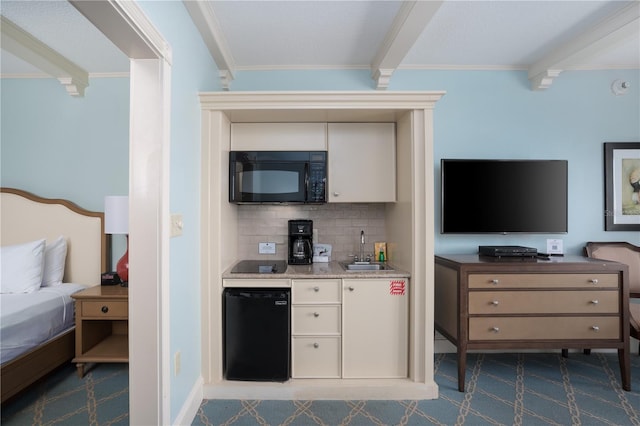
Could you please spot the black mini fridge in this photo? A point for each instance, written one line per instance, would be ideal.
(257, 334)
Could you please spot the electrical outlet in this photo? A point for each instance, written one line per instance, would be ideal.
(267, 248)
(176, 363)
(554, 246)
(176, 225)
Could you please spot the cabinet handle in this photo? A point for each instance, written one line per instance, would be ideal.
(104, 309)
(595, 328)
(495, 303)
(593, 281)
(336, 194)
(351, 288)
(495, 281)
(594, 302)
(315, 345)
(315, 314)
(316, 289)
(495, 329)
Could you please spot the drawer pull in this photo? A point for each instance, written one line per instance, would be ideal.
(495, 329)
(315, 314)
(495, 303)
(593, 281)
(495, 281)
(594, 302)
(104, 309)
(595, 328)
(315, 345)
(351, 288)
(316, 289)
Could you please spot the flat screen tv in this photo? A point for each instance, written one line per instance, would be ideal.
(503, 196)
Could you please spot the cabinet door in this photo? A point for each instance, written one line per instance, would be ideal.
(362, 162)
(279, 136)
(375, 328)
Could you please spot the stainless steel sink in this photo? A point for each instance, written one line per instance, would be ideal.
(365, 266)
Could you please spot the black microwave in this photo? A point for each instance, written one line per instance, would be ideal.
(277, 176)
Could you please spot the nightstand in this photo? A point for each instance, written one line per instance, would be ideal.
(102, 325)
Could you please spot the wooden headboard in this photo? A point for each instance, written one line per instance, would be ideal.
(26, 217)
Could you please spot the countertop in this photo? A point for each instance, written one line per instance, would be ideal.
(319, 270)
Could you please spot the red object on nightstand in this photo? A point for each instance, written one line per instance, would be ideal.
(122, 268)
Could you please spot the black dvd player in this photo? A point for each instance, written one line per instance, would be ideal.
(507, 251)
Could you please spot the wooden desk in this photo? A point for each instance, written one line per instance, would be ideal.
(102, 325)
(529, 303)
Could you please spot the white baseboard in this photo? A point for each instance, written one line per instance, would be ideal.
(191, 406)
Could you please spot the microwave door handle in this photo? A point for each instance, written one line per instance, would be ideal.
(306, 182)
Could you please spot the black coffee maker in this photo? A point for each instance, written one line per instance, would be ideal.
(300, 242)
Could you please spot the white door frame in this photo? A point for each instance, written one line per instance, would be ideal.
(124, 23)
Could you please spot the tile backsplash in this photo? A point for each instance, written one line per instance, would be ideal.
(338, 224)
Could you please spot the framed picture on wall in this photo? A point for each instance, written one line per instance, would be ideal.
(622, 186)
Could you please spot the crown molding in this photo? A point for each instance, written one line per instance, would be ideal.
(31, 50)
(316, 100)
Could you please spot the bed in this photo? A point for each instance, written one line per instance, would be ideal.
(28, 350)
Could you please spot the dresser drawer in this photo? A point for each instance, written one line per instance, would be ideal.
(543, 280)
(315, 319)
(543, 302)
(544, 328)
(105, 309)
(316, 291)
(315, 357)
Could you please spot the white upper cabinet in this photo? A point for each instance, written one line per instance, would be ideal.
(361, 162)
(279, 136)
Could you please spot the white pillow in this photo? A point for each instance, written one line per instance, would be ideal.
(55, 255)
(21, 267)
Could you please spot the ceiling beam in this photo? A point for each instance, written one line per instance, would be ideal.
(207, 23)
(411, 20)
(31, 50)
(607, 34)
(126, 25)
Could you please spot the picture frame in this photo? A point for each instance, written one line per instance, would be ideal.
(622, 186)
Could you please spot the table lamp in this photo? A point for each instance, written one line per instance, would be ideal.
(116, 221)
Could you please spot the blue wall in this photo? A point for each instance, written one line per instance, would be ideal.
(55, 145)
(495, 114)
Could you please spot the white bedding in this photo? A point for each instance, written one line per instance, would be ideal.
(33, 318)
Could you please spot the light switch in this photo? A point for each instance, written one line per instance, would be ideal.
(176, 225)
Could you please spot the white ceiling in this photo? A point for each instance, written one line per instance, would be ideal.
(543, 36)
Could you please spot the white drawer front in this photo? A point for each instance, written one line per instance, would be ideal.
(316, 319)
(315, 357)
(316, 291)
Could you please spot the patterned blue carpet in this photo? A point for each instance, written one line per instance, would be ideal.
(100, 398)
(502, 389)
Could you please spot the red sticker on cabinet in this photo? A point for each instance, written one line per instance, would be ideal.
(396, 287)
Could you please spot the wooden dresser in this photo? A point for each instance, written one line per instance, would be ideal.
(529, 303)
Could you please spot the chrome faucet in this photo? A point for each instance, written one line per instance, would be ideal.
(362, 246)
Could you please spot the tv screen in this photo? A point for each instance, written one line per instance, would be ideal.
(503, 196)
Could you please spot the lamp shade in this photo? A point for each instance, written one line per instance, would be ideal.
(116, 214)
